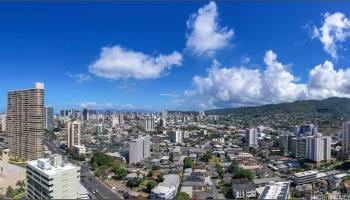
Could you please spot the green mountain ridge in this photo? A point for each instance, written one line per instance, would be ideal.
(339, 107)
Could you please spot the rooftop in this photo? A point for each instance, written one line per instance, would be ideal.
(242, 184)
(11, 169)
(162, 189)
(50, 170)
(170, 180)
(278, 190)
(187, 189)
(306, 173)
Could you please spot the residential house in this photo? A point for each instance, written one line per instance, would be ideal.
(243, 189)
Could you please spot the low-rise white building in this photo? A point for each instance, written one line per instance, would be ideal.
(167, 189)
(52, 178)
(308, 177)
(305, 177)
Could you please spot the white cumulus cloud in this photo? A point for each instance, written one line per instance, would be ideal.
(117, 63)
(206, 36)
(335, 30)
(243, 86)
(279, 84)
(325, 81)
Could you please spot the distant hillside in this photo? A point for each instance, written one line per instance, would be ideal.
(327, 114)
(333, 106)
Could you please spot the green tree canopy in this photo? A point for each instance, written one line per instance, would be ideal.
(239, 172)
(234, 168)
(133, 182)
(100, 159)
(188, 163)
(182, 196)
(120, 172)
(207, 156)
(151, 184)
(245, 173)
(220, 170)
(156, 167)
(10, 192)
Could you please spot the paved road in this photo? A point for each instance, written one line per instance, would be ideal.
(215, 182)
(52, 146)
(102, 191)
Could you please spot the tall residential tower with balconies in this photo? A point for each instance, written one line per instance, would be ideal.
(25, 122)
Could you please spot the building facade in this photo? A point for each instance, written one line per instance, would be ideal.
(25, 122)
(3, 122)
(252, 137)
(176, 136)
(285, 143)
(346, 138)
(73, 133)
(299, 147)
(148, 124)
(301, 178)
(85, 114)
(49, 121)
(52, 178)
(318, 148)
(139, 149)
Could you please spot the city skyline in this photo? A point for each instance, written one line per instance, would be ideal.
(107, 57)
(174, 100)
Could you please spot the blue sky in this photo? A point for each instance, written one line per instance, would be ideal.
(178, 55)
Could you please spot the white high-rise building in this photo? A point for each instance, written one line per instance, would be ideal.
(148, 124)
(52, 178)
(346, 138)
(318, 148)
(3, 122)
(164, 114)
(139, 149)
(252, 137)
(176, 136)
(163, 122)
(115, 120)
(73, 133)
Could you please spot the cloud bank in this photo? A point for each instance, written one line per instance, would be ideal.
(243, 86)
